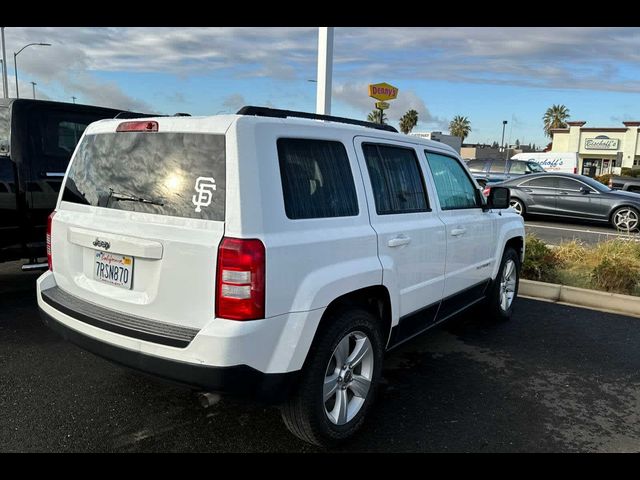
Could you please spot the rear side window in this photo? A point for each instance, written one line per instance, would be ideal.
(316, 179)
(497, 166)
(544, 182)
(396, 180)
(175, 174)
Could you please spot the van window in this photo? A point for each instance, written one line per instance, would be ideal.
(316, 179)
(175, 174)
(396, 179)
(535, 167)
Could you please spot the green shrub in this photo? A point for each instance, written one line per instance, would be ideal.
(619, 275)
(541, 263)
(604, 178)
(630, 172)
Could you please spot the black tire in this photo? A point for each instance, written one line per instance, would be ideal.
(495, 310)
(304, 412)
(522, 209)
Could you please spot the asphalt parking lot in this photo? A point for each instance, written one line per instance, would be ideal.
(554, 379)
(553, 231)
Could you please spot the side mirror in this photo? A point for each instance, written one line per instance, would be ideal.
(585, 190)
(526, 172)
(499, 198)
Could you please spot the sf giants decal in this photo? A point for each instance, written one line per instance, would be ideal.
(204, 187)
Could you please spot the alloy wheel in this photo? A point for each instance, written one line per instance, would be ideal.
(348, 378)
(626, 219)
(508, 284)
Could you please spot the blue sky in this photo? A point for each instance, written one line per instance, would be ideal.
(486, 74)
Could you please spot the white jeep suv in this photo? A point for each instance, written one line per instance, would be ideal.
(271, 253)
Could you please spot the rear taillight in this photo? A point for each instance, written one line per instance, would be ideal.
(486, 191)
(575, 170)
(49, 258)
(240, 279)
(139, 126)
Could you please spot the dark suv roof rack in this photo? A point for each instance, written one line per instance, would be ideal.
(276, 113)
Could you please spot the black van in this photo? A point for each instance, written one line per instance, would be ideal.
(37, 139)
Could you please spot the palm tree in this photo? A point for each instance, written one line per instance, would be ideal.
(375, 116)
(460, 127)
(408, 121)
(555, 117)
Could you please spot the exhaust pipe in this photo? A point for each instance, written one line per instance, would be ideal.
(208, 399)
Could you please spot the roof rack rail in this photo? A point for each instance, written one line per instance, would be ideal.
(136, 115)
(277, 113)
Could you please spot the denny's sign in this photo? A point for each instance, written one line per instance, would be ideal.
(383, 91)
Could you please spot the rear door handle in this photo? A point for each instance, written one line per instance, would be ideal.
(458, 231)
(399, 241)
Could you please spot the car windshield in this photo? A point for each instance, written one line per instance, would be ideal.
(595, 184)
(535, 167)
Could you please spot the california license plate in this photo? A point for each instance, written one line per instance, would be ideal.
(113, 269)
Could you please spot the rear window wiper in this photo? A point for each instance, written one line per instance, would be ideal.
(117, 196)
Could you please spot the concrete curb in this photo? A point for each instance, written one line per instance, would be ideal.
(581, 297)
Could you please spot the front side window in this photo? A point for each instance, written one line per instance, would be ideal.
(535, 167)
(316, 179)
(568, 184)
(518, 168)
(396, 180)
(455, 189)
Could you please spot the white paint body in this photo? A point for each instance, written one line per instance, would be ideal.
(309, 263)
(565, 162)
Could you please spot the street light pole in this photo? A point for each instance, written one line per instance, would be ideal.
(74, 99)
(15, 61)
(33, 85)
(325, 69)
(5, 85)
(504, 124)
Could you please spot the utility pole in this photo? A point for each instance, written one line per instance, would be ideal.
(504, 124)
(5, 85)
(33, 85)
(325, 69)
(74, 99)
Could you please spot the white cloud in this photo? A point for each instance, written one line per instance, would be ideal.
(356, 95)
(234, 102)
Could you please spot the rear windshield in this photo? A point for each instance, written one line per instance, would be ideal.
(176, 174)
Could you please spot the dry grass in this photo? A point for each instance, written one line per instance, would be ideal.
(611, 266)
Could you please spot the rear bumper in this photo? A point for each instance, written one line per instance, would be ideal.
(238, 379)
(261, 358)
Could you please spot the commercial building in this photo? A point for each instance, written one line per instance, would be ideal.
(451, 140)
(600, 150)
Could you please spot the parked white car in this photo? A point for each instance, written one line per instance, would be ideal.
(270, 255)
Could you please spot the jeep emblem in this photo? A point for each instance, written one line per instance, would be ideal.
(101, 243)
